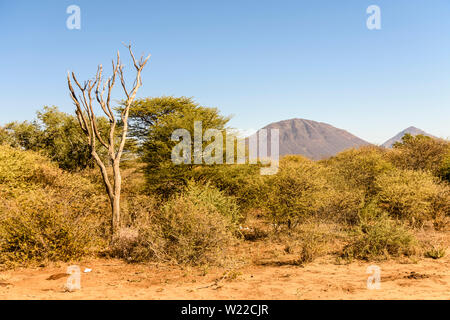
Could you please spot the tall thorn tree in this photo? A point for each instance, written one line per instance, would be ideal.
(88, 122)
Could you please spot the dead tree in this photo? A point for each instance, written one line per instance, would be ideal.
(115, 142)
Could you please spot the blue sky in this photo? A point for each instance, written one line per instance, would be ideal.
(261, 61)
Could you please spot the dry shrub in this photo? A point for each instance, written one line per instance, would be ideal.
(352, 175)
(139, 244)
(138, 239)
(310, 240)
(420, 153)
(444, 171)
(196, 233)
(27, 170)
(317, 238)
(254, 234)
(208, 195)
(441, 207)
(358, 168)
(436, 252)
(310, 251)
(415, 196)
(297, 192)
(21, 171)
(133, 178)
(312, 246)
(380, 238)
(193, 228)
(46, 213)
(137, 209)
(344, 204)
(38, 227)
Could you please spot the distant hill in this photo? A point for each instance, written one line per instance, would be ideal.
(314, 140)
(397, 138)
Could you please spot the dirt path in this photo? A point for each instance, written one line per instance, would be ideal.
(113, 279)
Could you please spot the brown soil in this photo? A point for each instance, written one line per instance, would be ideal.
(322, 279)
(261, 269)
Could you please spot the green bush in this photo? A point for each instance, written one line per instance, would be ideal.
(344, 203)
(5, 136)
(415, 196)
(28, 170)
(210, 196)
(297, 192)
(153, 121)
(380, 239)
(243, 181)
(18, 169)
(359, 168)
(420, 153)
(58, 136)
(435, 252)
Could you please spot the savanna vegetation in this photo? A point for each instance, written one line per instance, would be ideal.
(367, 203)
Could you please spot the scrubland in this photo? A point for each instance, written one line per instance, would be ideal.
(308, 231)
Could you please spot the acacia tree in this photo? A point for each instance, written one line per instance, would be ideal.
(113, 142)
(152, 122)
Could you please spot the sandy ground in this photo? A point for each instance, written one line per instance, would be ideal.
(322, 279)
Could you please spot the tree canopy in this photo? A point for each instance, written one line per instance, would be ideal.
(54, 133)
(422, 153)
(152, 122)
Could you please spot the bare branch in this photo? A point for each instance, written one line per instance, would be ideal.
(88, 122)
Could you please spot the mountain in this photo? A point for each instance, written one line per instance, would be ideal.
(397, 138)
(314, 140)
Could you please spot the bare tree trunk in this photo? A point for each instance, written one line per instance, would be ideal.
(88, 123)
(115, 222)
(116, 201)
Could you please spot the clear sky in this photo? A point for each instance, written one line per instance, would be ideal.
(262, 61)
